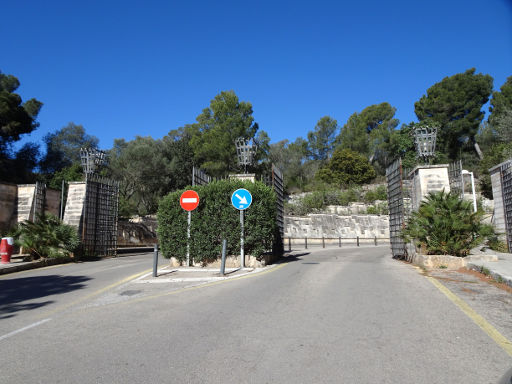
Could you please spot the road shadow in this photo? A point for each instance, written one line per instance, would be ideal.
(19, 294)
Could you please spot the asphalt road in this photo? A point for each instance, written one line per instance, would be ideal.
(350, 315)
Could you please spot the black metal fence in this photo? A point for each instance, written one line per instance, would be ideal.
(455, 177)
(396, 206)
(99, 221)
(506, 190)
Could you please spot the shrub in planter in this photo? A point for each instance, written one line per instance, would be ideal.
(445, 224)
(216, 219)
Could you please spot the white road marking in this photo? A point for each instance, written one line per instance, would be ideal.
(23, 329)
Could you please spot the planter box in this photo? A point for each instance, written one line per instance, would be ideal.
(436, 261)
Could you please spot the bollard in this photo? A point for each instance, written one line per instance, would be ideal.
(306, 242)
(289, 245)
(155, 261)
(358, 241)
(223, 260)
(375, 240)
(323, 242)
(339, 241)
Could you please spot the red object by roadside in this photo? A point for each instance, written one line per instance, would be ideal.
(6, 250)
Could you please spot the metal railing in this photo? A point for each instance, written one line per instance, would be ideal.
(305, 242)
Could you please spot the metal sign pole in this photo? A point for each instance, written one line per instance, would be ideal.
(189, 219)
(242, 254)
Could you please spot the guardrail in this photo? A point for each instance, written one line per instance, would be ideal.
(333, 241)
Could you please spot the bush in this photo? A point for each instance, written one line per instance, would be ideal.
(380, 193)
(445, 224)
(216, 219)
(47, 237)
(347, 167)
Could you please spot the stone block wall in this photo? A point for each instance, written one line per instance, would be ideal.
(426, 179)
(8, 197)
(335, 226)
(497, 194)
(25, 202)
(75, 204)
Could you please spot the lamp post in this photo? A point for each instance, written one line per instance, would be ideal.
(425, 141)
(91, 159)
(465, 172)
(245, 151)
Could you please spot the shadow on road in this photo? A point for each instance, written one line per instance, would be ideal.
(17, 294)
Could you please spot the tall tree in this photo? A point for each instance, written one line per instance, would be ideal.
(218, 126)
(16, 118)
(501, 102)
(369, 132)
(63, 147)
(143, 171)
(456, 103)
(321, 139)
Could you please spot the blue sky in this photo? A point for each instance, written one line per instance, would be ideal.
(127, 68)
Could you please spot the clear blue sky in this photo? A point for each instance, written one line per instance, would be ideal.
(127, 68)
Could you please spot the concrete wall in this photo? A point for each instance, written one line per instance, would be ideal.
(426, 179)
(75, 204)
(335, 226)
(26, 202)
(499, 210)
(52, 202)
(8, 197)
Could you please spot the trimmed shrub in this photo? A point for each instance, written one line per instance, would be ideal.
(216, 219)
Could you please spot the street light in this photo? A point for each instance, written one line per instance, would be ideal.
(465, 172)
(245, 151)
(91, 159)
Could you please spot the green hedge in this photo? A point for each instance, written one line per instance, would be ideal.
(216, 219)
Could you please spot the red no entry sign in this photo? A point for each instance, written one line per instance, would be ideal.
(189, 200)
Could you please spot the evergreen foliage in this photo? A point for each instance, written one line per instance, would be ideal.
(347, 167)
(456, 104)
(447, 225)
(216, 219)
(47, 237)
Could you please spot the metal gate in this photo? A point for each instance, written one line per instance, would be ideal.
(506, 185)
(397, 195)
(99, 225)
(455, 177)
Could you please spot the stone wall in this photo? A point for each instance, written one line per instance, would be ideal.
(52, 202)
(75, 204)
(499, 209)
(426, 179)
(8, 197)
(335, 226)
(137, 231)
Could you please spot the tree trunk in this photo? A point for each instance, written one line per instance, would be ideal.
(478, 150)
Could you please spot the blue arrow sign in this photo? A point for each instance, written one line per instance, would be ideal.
(241, 199)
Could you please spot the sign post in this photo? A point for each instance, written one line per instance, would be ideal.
(189, 200)
(241, 199)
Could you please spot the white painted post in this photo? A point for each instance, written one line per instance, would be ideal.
(189, 219)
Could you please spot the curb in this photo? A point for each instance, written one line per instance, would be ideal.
(495, 275)
(34, 265)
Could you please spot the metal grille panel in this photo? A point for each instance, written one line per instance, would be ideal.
(394, 176)
(455, 177)
(506, 180)
(278, 186)
(39, 197)
(200, 177)
(99, 227)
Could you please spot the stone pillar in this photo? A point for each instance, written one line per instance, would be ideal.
(26, 194)
(75, 204)
(497, 195)
(426, 179)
